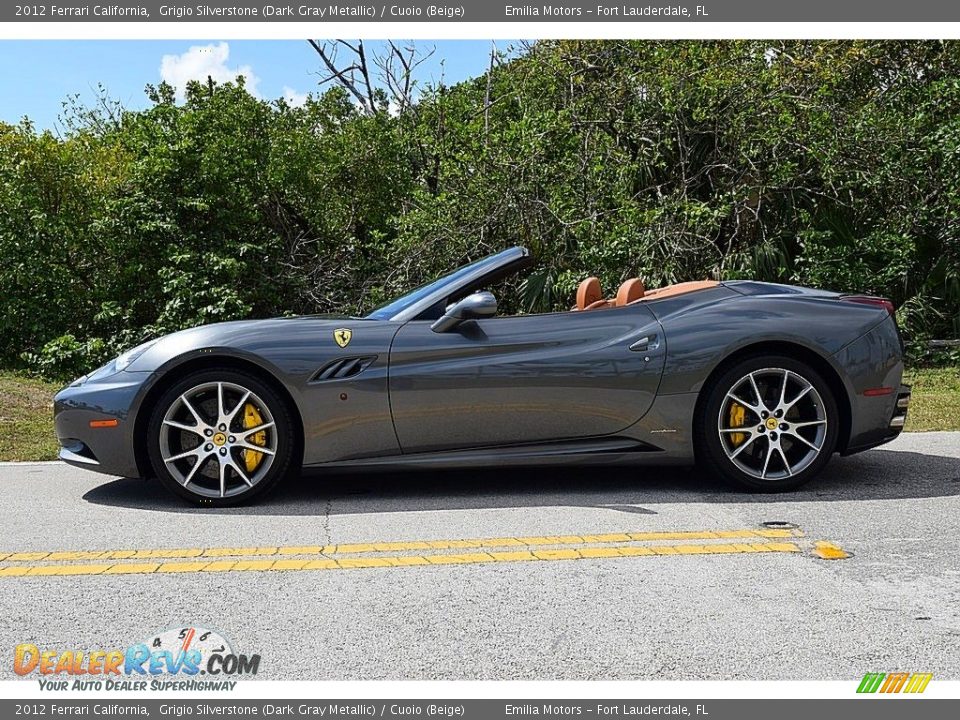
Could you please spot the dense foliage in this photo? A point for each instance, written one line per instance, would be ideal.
(833, 164)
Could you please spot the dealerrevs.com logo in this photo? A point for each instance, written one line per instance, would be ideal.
(898, 682)
(189, 658)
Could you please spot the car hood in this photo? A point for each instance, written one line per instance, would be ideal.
(241, 337)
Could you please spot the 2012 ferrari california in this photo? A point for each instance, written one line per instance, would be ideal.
(761, 383)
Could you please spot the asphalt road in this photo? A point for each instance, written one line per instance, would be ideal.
(542, 591)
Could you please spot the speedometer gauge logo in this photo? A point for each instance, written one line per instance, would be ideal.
(185, 639)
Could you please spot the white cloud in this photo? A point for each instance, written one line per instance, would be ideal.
(293, 98)
(201, 62)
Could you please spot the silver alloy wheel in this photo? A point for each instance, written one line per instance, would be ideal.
(772, 423)
(205, 441)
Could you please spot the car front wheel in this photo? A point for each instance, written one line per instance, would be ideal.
(220, 437)
(769, 423)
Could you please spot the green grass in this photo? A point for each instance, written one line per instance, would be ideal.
(26, 418)
(26, 410)
(935, 404)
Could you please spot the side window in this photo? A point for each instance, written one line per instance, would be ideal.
(509, 296)
(505, 286)
(434, 312)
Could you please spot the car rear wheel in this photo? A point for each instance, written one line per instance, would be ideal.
(220, 437)
(769, 424)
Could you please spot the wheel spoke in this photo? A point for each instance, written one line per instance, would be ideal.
(756, 391)
(788, 406)
(755, 409)
(236, 408)
(180, 426)
(766, 462)
(783, 388)
(247, 432)
(201, 461)
(809, 423)
(243, 476)
(220, 410)
(189, 453)
(254, 448)
(188, 406)
(786, 463)
(223, 477)
(745, 445)
(801, 438)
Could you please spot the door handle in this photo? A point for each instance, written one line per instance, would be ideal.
(650, 342)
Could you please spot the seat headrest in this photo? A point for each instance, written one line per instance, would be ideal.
(589, 293)
(629, 291)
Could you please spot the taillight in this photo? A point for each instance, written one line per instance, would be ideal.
(870, 300)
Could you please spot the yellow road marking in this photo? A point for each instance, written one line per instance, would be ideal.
(513, 556)
(400, 546)
(68, 569)
(14, 570)
(248, 565)
(301, 550)
(181, 567)
(538, 548)
(828, 551)
(28, 556)
(134, 568)
(555, 555)
(599, 552)
(221, 552)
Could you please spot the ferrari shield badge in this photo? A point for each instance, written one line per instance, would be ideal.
(342, 336)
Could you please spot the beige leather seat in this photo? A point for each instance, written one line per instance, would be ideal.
(630, 291)
(590, 295)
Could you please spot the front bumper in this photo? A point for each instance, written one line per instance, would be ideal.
(102, 447)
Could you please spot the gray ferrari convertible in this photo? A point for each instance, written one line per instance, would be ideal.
(760, 383)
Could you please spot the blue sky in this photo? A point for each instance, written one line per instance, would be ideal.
(40, 74)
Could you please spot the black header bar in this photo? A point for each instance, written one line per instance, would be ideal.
(580, 11)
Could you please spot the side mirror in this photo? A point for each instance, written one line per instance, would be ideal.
(473, 307)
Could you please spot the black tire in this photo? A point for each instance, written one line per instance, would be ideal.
(777, 450)
(201, 488)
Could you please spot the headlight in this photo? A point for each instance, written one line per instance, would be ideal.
(122, 362)
(124, 359)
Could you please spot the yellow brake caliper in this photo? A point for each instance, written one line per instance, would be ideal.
(738, 417)
(252, 418)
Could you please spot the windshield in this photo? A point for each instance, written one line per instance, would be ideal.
(392, 308)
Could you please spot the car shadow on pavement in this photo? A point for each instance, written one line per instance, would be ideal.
(873, 475)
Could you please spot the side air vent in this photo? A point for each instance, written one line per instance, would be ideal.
(343, 368)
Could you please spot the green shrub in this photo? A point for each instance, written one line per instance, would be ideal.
(829, 163)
